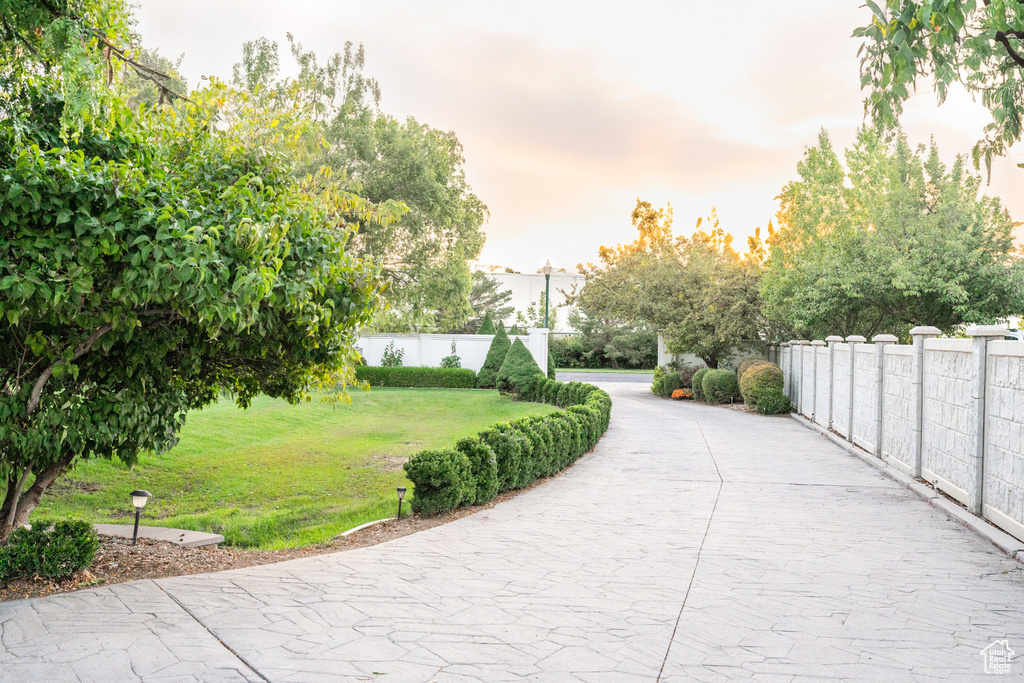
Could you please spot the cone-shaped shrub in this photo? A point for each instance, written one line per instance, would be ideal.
(488, 375)
(514, 331)
(483, 466)
(698, 384)
(519, 373)
(442, 480)
(551, 365)
(486, 325)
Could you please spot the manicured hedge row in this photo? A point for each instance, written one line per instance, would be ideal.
(431, 378)
(512, 455)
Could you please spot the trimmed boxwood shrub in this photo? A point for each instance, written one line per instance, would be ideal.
(746, 363)
(665, 380)
(488, 376)
(551, 365)
(519, 373)
(486, 325)
(483, 466)
(720, 386)
(443, 479)
(773, 402)
(758, 379)
(431, 378)
(507, 454)
(50, 554)
(698, 384)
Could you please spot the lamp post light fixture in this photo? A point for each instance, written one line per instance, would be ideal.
(547, 290)
(139, 498)
(401, 495)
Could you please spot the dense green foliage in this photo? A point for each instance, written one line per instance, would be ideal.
(891, 241)
(487, 377)
(665, 380)
(392, 356)
(444, 480)
(605, 343)
(284, 476)
(720, 386)
(49, 550)
(487, 303)
(521, 450)
(443, 378)
(551, 364)
(519, 371)
(746, 363)
(698, 384)
(328, 117)
(699, 292)
(979, 46)
(150, 260)
(452, 360)
(773, 402)
(758, 379)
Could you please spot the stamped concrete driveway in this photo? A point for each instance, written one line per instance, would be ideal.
(695, 543)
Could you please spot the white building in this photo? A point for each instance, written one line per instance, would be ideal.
(527, 289)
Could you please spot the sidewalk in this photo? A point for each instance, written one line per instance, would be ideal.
(695, 543)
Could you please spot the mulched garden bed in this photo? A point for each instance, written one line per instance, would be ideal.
(118, 561)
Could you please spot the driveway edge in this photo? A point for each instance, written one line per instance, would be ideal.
(1013, 547)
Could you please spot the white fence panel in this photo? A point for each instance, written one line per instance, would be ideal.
(945, 437)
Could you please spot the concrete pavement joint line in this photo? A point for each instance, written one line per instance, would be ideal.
(223, 644)
(1009, 545)
(696, 563)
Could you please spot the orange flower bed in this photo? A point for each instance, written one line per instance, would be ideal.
(682, 393)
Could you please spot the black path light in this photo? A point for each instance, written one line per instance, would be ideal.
(139, 498)
(401, 495)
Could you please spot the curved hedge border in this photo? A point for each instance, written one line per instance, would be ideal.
(512, 455)
(427, 378)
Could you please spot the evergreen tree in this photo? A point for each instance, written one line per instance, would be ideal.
(488, 375)
(519, 371)
(487, 326)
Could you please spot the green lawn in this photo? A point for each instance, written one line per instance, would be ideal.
(278, 476)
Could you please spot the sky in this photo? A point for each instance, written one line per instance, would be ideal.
(568, 112)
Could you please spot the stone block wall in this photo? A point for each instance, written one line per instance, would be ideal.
(948, 411)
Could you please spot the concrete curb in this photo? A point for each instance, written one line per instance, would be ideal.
(999, 538)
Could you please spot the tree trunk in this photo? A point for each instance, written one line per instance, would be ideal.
(30, 498)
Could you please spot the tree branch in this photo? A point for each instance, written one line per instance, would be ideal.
(1005, 40)
(80, 351)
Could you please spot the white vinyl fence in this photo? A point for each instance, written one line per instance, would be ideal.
(949, 411)
(427, 350)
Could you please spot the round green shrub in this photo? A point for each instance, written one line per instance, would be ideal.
(443, 480)
(773, 402)
(665, 380)
(758, 379)
(747, 363)
(52, 554)
(698, 384)
(507, 447)
(720, 386)
(484, 468)
(500, 345)
(519, 373)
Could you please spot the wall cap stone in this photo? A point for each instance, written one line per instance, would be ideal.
(926, 330)
(856, 339)
(804, 342)
(817, 342)
(885, 339)
(986, 331)
(834, 338)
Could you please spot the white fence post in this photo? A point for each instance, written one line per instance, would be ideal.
(832, 341)
(787, 377)
(814, 378)
(919, 334)
(880, 340)
(853, 340)
(980, 334)
(801, 393)
(539, 346)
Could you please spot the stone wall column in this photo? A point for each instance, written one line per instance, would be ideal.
(804, 393)
(853, 340)
(795, 367)
(919, 335)
(880, 341)
(979, 359)
(814, 378)
(832, 341)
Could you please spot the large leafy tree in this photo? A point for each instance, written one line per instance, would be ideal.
(978, 45)
(332, 109)
(148, 261)
(699, 292)
(891, 240)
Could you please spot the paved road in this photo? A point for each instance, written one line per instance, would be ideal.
(695, 543)
(604, 377)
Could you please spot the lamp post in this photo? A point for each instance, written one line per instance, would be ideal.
(139, 498)
(547, 290)
(401, 495)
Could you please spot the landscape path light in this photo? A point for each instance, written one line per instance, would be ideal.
(401, 495)
(139, 498)
(547, 289)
